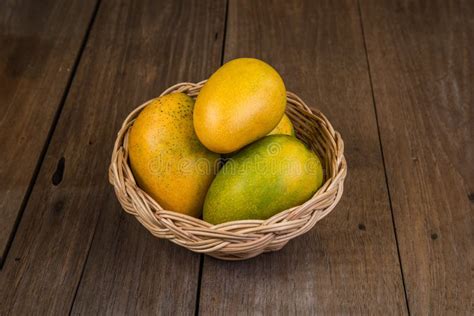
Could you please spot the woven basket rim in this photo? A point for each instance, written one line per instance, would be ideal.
(221, 239)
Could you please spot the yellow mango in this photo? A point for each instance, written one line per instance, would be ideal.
(241, 102)
(166, 157)
(285, 127)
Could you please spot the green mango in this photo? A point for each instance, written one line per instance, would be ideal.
(268, 176)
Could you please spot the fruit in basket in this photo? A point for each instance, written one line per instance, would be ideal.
(166, 157)
(285, 127)
(241, 102)
(271, 175)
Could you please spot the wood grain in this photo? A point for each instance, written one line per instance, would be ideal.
(421, 56)
(159, 277)
(135, 50)
(39, 44)
(348, 263)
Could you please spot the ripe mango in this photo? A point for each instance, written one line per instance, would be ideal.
(285, 127)
(241, 102)
(273, 174)
(166, 157)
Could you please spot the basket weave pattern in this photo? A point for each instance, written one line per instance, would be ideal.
(243, 239)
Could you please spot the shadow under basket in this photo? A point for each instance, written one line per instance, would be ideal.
(243, 239)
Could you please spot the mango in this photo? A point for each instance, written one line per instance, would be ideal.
(273, 174)
(285, 127)
(166, 157)
(242, 101)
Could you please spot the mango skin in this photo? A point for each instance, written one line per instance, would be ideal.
(241, 102)
(285, 127)
(167, 159)
(271, 175)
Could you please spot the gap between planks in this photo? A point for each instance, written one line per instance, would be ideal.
(86, 38)
(382, 153)
(49, 136)
(201, 258)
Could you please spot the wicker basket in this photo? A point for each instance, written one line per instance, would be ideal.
(243, 239)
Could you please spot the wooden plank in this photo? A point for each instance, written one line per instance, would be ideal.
(348, 263)
(38, 50)
(159, 277)
(135, 50)
(421, 56)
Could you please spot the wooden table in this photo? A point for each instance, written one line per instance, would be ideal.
(396, 78)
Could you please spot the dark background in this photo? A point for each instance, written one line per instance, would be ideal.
(394, 77)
